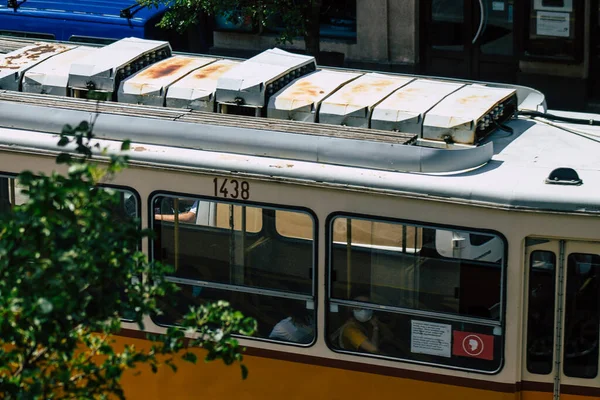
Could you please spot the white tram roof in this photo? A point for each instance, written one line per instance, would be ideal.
(197, 90)
(513, 179)
(14, 64)
(103, 69)
(281, 85)
(52, 75)
(150, 85)
(506, 170)
(300, 100)
(353, 103)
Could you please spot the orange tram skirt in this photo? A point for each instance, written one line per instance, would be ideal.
(279, 379)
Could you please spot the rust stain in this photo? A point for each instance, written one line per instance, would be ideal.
(213, 71)
(30, 55)
(304, 89)
(371, 86)
(472, 99)
(289, 165)
(140, 148)
(409, 93)
(165, 68)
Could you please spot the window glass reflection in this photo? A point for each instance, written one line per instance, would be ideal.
(540, 313)
(581, 316)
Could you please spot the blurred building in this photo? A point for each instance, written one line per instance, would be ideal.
(552, 45)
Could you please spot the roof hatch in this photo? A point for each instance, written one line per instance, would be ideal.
(252, 82)
(99, 74)
(14, 64)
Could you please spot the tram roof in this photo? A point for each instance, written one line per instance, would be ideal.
(513, 179)
(407, 124)
(284, 85)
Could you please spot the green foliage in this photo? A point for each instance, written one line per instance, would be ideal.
(292, 16)
(70, 268)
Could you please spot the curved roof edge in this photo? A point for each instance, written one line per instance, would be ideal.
(507, 195)
(248, 141)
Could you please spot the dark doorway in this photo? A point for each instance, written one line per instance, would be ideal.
(471, 39)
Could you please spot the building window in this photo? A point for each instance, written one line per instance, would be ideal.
(337, 20)
(416, 292)
(28, 35)
(235, 252)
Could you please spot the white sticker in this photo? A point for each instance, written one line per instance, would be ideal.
(497, 6)
(430, 338)
(553, 24)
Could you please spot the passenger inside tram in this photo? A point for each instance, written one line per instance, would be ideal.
(186, 211)
(361, 331)
(299, 327)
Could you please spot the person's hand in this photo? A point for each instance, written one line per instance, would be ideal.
(374, 322)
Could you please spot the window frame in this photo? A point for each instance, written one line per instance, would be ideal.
(440, 317)
(122, 188)
(248, 289)
(528, 312)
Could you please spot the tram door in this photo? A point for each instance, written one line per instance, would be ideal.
(471, 39)
(561, 331)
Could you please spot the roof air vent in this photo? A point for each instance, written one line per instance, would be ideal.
(564, 176)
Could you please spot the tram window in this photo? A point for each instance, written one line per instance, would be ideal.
(402, 268)
(397, 271)
(540, 312)
(11, 194)
(582, 316)
(235, 253)
(293, 224)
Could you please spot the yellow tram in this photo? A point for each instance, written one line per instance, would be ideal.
(428, 238)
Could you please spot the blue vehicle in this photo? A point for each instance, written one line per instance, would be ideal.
(85, 21)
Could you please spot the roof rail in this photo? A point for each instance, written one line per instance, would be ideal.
(127, 11)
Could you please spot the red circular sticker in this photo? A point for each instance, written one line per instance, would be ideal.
(472, 345)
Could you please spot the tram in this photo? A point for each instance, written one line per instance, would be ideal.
(429, 238)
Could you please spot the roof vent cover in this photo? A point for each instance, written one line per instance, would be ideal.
(564, 176)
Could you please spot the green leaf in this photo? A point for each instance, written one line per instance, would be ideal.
(68, 258)
(64, 158)
(63, 141)
(190, 357)
(126, 145)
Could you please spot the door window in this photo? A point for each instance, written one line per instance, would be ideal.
(580, 354)
(540, 313)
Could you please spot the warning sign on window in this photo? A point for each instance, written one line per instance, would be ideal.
(476, 345)
(430, 338)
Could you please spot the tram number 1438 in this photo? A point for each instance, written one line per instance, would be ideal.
(232, 188)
